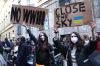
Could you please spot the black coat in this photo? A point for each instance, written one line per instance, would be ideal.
(49, 59)
(81, 54)
(22, 55)
(24, 51)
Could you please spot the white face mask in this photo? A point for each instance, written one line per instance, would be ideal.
(74, 39)
(87, 42)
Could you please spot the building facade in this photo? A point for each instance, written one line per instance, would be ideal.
(51, 5)
(6, 28)
(9, 30)
(13, 31)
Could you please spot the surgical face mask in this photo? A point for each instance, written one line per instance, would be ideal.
(74, 38)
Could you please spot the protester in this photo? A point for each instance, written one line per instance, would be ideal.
(11, 44)
(25, 55)
(7, 49)
(1, 47)
(15, 50)
(76, 50)
(2, 61)
(95, 56)
(7, 46)
(44, 54)
(22, 53)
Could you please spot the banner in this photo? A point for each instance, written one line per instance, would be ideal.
(74, 14)
(28, 15)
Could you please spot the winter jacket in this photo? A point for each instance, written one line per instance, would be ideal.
(22, 55)
(81, 54)
(42, 57)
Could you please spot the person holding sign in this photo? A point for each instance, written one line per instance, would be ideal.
(44, 51)
(76, 50)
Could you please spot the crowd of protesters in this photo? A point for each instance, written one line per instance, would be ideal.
(74, 50)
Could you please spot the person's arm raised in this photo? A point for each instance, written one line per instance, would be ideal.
(32, 37)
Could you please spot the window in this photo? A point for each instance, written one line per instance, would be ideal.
(96, 7)
(13, 31)
(62, 2)
(5, 1)
(19, 1)
(28, 1)
(9, 12)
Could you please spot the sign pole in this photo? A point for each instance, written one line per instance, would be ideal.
(93, 19)
(93, 34)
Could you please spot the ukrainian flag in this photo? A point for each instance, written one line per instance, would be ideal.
(78, 20)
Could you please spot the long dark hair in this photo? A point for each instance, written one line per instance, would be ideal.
(45, 41)
(79, 43)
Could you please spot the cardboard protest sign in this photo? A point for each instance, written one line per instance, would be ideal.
(28, 15)
(74, 14)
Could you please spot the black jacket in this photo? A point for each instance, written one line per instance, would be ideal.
(48, 60)
(81, 54)
(22, 55)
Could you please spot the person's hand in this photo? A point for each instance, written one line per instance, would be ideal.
(25, 26)
(56, 34)
(56, 30)
(92, 25)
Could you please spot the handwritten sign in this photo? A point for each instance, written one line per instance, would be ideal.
(74, 14)
(28, 15)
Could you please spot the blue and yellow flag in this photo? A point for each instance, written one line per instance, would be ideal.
(78, 20)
